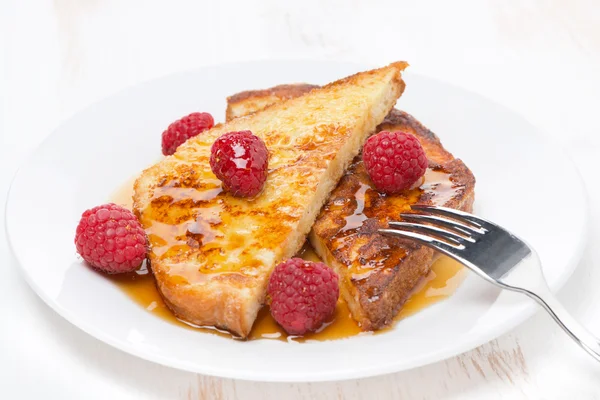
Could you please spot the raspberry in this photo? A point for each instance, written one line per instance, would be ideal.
(111, 239)
(303, 295)
(183, 129)
(394, 160)
(240, 161)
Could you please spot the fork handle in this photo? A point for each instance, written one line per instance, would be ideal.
(565, 320)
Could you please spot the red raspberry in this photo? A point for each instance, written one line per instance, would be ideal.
(394, 160)
(240, 161)
(183, 129)
(303, 295)
(111, 239)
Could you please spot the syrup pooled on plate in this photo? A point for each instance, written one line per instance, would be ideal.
(445, 276)
(124, 195)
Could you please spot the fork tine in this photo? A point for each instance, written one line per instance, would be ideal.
(432, 230)
(445, 222)
(425, 240)
(457, 214)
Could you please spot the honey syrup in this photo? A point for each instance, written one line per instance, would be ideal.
(445, 276)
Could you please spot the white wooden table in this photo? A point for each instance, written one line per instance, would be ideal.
(538, 57)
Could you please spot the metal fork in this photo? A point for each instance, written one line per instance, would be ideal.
(494, 254)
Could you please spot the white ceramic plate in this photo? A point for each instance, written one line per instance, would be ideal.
(521, 182)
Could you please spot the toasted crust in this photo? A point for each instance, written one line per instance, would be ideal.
(212, 253)
(246, 103)
(378, 273)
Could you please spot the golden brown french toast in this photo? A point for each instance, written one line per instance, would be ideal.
(377, 273)
(246, 103)
(211, 253)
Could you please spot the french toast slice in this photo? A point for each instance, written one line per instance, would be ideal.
(246, 103)
(211, 253)
(377, 273)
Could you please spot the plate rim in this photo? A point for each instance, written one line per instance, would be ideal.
(510, 324)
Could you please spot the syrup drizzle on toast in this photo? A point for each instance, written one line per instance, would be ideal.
(445, 276)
